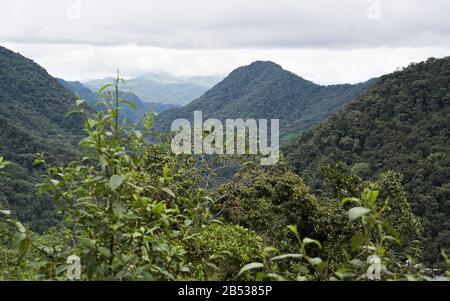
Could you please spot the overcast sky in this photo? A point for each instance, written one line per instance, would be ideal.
(326, 41)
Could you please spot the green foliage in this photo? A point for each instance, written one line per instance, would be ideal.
(263, 90)
(372, 255)
(400, 124)
(270, 266)
(342, 182)
(266, 200)
(127, 227)
(132, 210)
(221, 249)
(32, 119)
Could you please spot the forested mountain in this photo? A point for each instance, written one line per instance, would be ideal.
(32, 119)
(131, 114)
(131, 209)
(265, 90)
(156, 88)
(401, 123)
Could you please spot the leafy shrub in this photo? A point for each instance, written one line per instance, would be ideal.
(222, 249)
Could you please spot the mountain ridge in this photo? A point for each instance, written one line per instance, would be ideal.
(161, 88)
(264, 90)
(33, 107)
(402, 123)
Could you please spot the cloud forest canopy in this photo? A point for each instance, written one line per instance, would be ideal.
(401, 123)
(133, 210)
(32, 119)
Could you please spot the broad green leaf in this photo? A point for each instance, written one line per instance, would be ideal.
(79, 102)
(104, 251)
(308, 241)
(293, 229)
(115, 182)
(314, 261)
(357, 212)
(358, 241)
(103, 161)
(373, 195)
(168, 191)
(5, 212)
(19, 226)
(118, 208)
(251, 266)
(73, 112)
(350, 200)
(391, 238)
(358, 263)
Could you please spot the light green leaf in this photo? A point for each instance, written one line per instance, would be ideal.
(5, 212)
(314, 261)
(103, 161)
(308, 241)
(79, 102)
(285, 256)
(118, 208)
(73, 112)
(138, 134)
(357, 212)
(358, 241)
(251, 266)
(104, 88)
(350, 200)
(168, 191)
(293, 229)
(115, 182)
(20, 227)
(104, 251)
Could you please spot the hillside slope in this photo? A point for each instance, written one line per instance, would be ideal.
(264, 90)
(32, 119)
(402, 123)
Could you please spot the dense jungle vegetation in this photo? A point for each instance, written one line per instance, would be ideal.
(132, 210)
(402, 124)
(361, 197)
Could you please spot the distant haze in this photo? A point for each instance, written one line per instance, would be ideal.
(162, 88)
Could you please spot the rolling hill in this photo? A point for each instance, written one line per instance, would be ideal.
(265, 90)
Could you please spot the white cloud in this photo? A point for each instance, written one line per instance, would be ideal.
(327, 41)
(228, 23)
(325, 66)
